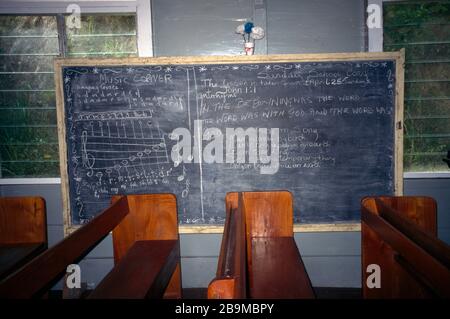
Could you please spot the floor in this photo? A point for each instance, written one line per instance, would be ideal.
(200, 293)
(321, 293)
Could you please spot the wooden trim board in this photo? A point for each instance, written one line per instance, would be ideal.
(298, 228)
(399, 122)
(398, 57)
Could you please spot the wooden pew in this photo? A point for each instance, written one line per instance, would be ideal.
(23, 231)
(152, 218)
(143, 267)
(399, 235)
(273, 267)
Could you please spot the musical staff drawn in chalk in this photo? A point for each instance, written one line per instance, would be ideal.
(126, 148)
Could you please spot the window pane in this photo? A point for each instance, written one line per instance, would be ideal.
(423, 29)
(28, 138)
(30, 98)
(28, 45)
(100, 35)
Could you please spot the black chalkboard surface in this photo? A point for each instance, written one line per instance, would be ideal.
(322, 127)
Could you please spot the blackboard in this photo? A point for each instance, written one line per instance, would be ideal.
(334, 119)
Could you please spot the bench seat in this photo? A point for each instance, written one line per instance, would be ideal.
(144, 272)
(277, 270)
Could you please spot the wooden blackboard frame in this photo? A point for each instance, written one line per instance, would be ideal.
(398, 57)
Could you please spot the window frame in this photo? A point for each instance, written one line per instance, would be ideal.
(142, 9)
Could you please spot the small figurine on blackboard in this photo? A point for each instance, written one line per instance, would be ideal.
(252, 33)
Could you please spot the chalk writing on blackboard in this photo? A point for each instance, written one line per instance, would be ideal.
(164, 128)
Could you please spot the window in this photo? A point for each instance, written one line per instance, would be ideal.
(103, 35)
(28, 138)
(28, 45)
(423, 29)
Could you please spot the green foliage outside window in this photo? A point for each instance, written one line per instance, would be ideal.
(28, 45)
(423, 29)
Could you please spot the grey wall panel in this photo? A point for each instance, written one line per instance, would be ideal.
(195, 27)
(103, 250)
(329, 243)
(200, 245)
(444, 234)
(334, 271)
(93, 270)
(55, 233)
(305, 26)
(198, 27)
(198, 272)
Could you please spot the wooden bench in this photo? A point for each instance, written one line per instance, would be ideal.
(259, 258)
(152, 218)
(146, 255)
(23, 231)
(399, 235)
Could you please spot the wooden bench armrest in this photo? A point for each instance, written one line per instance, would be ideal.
(222, 288)
(277, 270)
(227, 246)
(144, 272)
(230, 281)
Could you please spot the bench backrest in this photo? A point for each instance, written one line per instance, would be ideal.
(399, 235)
(268, 214)
(420, 210)
(151, 217)
(22, 220)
